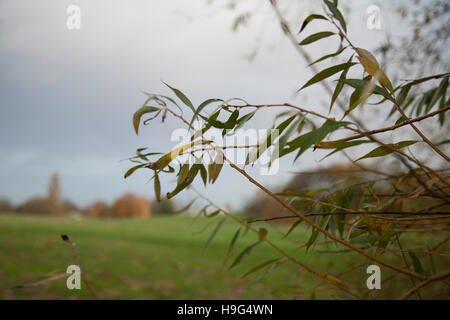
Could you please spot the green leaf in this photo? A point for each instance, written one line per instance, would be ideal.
(336, 14)
(319, 134)
(437, 76)
(160, 97)
(139, 113)
(382, 151)
(416, 263)
(133, 169)
(443, 142)
(370, 238)
(201, 106)
(215, 168)
(361, 84)
(339, 85)
(182, 97)
(213, 234)
(341, 145)
(283, 139)
(266, 141)
(186, 182)
(310, 18)
(231, 246)
(203, 174)
(242, 120)
(440, 92)
(295, 224)
(312, 239)
(244, 253)
(211, 215)
(327, 73)
(355, 99)
(339, 51)
(182, 174)
(260, 266)
(157, 186)
(403, 94)
(316, 36)
(262, 233)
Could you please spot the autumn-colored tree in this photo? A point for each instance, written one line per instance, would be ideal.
(34, 206)
(99, 209)
(131, 206)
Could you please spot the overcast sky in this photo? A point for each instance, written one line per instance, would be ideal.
(67, 96)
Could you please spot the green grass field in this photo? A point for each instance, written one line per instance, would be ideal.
(156, 258)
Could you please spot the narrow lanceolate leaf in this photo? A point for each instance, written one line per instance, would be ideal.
(370, 64)
(318, 135)
(382, 151)
(187, 181)
(182, 97)
(283, 139)
(243, 254)
(231, 246)
(336, 14)
(202, 106)
(316, 36)
(437, 76)
(331, 55)
(327, 73)
(211, 215)
(361, 84)
(260, 266)
(203, 173)
(441, 90)
(242, 120)
(311, 18)
(139, 113)
(157, 185)
(163, 161)
(447, 141)
(367, 55)
(133, 169)
(294, 225)
(339, 85)
(213, 234)
(360, 96)
(268, 140)
(182, 174)
(341, 145)
(416, 263)
(214, 171)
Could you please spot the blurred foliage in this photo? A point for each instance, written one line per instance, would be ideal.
(5, 205)
(163, 207)
(131, 206)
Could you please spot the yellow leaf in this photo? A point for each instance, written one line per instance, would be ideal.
(372, 68)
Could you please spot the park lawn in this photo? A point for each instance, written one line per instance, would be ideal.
(162, 258)
(157, 258)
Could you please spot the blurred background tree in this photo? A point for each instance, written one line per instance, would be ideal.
(131, 206)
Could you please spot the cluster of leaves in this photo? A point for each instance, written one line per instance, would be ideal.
(342, 213)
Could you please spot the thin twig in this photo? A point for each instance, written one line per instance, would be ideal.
(77, 261)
